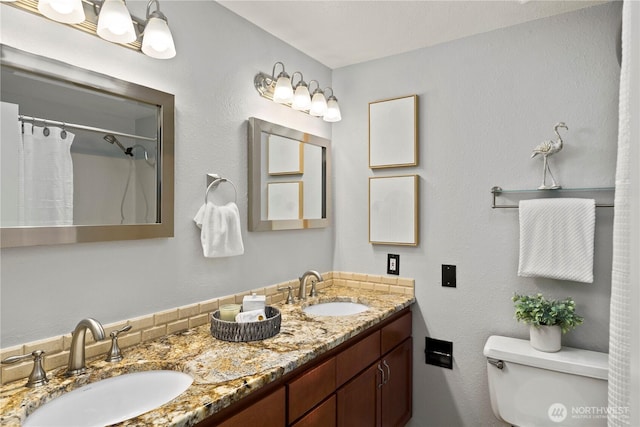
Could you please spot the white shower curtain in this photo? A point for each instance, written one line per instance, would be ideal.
(46, 177)
(623, 332)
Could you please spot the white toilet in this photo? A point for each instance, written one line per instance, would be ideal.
(532, 388)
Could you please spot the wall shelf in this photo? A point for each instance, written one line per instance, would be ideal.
(559, 192)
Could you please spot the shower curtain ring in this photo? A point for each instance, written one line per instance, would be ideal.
(45, 131)
(63, 132)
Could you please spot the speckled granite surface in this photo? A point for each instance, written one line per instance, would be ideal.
(223, 372)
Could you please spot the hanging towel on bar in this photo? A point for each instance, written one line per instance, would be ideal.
(220, 235)
(556, 239)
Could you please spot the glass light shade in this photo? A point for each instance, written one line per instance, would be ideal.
(318, 104)
(114, 22)
(65, 11)
(301, 98)
(157, 41)
(333, 111)
(283, 92)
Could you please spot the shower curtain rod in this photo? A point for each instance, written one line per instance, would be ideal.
(63, 125)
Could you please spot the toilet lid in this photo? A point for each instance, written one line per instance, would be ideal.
(569, 360)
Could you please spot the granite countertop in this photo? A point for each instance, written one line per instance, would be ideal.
(224, 372)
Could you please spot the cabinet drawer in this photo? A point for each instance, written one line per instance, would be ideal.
(267, 412)
(395, 332)
(357, 357)
(322, 416)
(311, 388)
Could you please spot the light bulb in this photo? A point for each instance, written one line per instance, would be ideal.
(318, 104)
(65, 11)
(283, 93)
(301, 98)
(114, 22)
(157, 41)
(333, 110)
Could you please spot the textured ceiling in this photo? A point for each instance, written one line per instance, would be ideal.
(341, 33)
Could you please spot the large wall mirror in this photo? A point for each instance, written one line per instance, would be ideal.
(85, 157)
(289, 178)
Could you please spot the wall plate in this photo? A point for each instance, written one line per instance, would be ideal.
(393, 264)
(449, 276)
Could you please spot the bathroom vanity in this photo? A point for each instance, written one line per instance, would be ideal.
(344, 371)
(365, 381)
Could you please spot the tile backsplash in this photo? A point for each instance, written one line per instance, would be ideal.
(157, 325)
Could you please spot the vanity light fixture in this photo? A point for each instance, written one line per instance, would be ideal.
(297, 96)
(109, 20)
(65, 11)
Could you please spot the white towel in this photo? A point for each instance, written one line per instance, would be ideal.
(556, 239)
(220, 235)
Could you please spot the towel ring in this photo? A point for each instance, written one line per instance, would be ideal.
(215, 184)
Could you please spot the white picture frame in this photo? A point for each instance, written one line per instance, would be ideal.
(393, 132)
(284, 200)
(285, 156)
(393, 210)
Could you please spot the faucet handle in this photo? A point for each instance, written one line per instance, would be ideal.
(314, 290)
(38, 375)
(289, 295)
(115, 355)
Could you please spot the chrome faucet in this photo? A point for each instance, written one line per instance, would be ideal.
(302, 292)
(76, 352)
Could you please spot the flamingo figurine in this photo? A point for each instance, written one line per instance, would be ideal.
(548, 148)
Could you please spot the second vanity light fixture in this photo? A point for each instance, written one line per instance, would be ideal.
(114, 22)
(298, 96)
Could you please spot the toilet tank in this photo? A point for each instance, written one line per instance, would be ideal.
(534, 388)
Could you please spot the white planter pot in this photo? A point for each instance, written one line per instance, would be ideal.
(546, 338)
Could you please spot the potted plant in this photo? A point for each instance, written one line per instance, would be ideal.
(549, 319)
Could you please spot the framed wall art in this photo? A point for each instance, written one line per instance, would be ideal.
(393, 210)
(285, 156)
(284, 200)
(393, 132)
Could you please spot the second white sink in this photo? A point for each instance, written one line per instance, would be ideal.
(111, 400)
(335, 308)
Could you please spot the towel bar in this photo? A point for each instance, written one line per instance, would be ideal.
(497, 191)
(213, 180)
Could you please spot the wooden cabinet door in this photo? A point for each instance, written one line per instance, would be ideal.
(396, 392)
(267, 412)
(359, 401)
(311, 388)
(324, 415)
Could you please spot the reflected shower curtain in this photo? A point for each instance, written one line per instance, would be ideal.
(46, 178)
(623, 329)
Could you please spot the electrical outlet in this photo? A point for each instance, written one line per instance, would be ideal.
(449, 275)
(393, 264)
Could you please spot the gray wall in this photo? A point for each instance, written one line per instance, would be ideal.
(46, 290)
(484, 103)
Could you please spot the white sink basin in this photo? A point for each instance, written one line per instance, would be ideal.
(111, 400)
(336, 308)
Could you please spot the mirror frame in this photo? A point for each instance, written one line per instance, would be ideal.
(256, 223)
(53, 69)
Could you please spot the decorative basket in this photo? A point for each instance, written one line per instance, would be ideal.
(249, 331)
